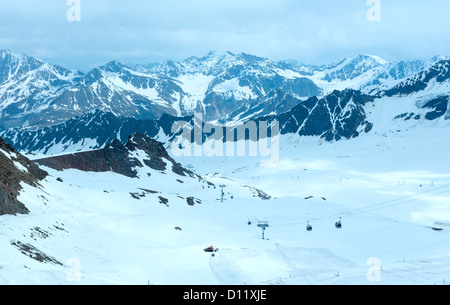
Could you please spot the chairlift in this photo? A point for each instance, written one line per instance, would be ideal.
(338, 224)
(308, 227)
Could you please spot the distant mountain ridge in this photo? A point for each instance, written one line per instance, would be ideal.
(116, 100)
(221, 86)
(339, 115)
(37, 94)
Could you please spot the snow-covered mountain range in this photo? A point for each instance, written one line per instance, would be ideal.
(34, 93)
(99, 199)
(338, 115)
(48, 109)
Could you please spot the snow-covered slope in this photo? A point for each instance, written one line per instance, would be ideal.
(389, 188)
(368, 73)
(373, 154)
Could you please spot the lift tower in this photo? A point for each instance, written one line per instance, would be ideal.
(263, 225)
(222, 193)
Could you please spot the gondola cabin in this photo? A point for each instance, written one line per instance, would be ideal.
(338, 224)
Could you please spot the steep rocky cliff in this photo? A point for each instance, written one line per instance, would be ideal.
(15, 169)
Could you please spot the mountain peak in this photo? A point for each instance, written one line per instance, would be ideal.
(375, 58)
(20, 57)
(113, 66)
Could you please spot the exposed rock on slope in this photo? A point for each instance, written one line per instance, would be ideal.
(338, 115)
(14, 169)
(123, 159)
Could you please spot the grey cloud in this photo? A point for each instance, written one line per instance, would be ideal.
(145, 31)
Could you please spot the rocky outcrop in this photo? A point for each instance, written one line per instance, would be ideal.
(338, 115)
(114, 157)
(156, 152)
(139, 151)
(15, 169)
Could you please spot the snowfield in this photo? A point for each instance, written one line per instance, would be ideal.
(390, 188)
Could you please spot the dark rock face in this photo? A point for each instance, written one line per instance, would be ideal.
(114, 157)
(339, 115)
(92, 130)
(438, 107)
(118, 158)
(192, 201)
(34, 253)
(14, 169)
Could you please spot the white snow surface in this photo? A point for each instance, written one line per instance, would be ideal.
(390, 189)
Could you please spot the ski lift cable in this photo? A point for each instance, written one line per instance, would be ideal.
(352, 213)
(403, 202)
(392, 200)
(374, 207)
(383, 205)
(365, 211)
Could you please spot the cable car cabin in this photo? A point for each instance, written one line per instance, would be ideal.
(338, 224)
(308, 227)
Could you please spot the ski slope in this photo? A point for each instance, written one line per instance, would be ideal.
(391, 188)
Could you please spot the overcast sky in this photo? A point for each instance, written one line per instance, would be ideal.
(143, 31)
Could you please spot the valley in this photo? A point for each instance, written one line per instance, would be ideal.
(99, 196)
(392, 205)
